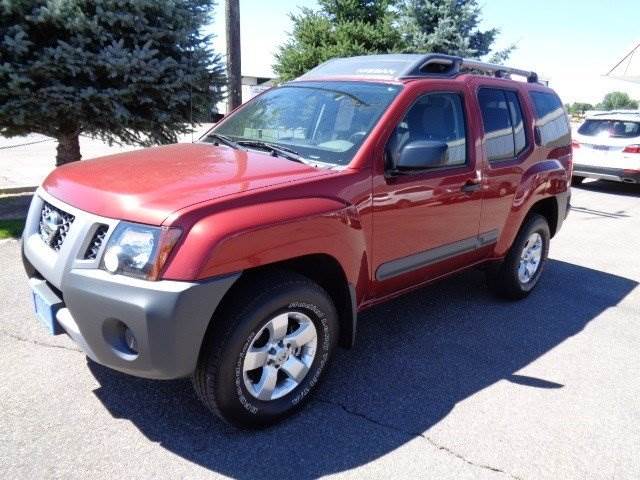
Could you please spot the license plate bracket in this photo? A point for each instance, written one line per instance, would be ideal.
(46, 305)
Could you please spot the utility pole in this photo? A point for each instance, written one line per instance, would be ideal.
(234, 74)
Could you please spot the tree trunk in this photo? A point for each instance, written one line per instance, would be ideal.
(68, 148)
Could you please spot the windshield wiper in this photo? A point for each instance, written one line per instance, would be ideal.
(223, 140)
(276, 150)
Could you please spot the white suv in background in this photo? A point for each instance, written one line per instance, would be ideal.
(607, 146)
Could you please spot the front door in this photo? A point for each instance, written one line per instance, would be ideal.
(425, 223)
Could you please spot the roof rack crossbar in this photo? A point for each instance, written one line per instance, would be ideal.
(499, 70)
(449, 65)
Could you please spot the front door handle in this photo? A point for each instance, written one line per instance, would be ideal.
(471, 186)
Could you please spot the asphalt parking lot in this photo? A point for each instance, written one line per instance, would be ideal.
(445, 383)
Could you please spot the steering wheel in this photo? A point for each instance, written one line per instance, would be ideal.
(356, 137)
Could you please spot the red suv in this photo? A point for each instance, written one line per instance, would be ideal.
(243, 260)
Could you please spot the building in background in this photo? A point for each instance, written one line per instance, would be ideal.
(251, 86)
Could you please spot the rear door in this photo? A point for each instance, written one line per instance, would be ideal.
(508, 143)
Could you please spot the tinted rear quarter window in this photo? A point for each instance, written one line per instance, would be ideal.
(551, 120)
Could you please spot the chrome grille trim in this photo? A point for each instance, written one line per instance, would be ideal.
(54, 225)
(52, 264)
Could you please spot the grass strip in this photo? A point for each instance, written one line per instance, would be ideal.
(11, 228)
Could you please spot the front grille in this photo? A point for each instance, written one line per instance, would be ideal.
(96, 243)
(54, 225)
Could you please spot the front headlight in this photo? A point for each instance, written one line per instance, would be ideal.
(139, 250)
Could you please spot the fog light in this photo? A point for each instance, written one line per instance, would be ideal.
(130, 340)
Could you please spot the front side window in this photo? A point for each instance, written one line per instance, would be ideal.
(321, 121)
(435, 116)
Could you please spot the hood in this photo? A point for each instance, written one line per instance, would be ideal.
(148, 185)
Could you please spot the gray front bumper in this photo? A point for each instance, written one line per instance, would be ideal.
(168, 318)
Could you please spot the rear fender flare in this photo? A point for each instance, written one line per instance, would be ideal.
(543, 180)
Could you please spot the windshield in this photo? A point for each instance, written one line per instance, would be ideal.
(610, 128)
(319, 121)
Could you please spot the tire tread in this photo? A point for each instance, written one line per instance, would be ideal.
(205, 376)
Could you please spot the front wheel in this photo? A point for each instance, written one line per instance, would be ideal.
(268, 350)
(517, 275)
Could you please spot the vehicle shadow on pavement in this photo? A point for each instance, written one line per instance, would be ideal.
(415, 358)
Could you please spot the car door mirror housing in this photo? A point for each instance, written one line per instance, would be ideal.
(421, 154)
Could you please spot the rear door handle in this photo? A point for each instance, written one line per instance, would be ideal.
(471, 186)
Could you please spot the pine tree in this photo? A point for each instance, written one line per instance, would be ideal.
(447, 26)
(128, 71)
(339, 28)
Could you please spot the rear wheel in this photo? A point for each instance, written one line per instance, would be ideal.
(267, 352)
(575, 181)
(517, 275)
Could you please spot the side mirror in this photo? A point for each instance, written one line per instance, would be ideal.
(421, 155)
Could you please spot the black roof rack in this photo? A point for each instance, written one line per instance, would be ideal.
(411, 65)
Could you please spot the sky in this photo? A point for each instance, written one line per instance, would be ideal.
(571, 43)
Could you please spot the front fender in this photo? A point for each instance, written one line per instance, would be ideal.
(246, 237)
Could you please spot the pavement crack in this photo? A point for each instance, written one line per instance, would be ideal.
(432, 442)
(466, 460)
(36, 342)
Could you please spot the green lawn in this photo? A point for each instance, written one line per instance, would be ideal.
(11, 228)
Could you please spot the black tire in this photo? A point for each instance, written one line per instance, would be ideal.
(575, 181)
(218, 379)
(503, 278)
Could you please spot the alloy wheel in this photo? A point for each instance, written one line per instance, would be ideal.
(530, 258)
(280, 356)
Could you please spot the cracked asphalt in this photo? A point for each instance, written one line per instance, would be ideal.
(445, 383)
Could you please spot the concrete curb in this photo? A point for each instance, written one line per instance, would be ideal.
(16, 190)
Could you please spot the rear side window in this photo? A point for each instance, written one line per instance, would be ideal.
(519, 136)
(610, 128)
(505, 136)
(551, 120)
